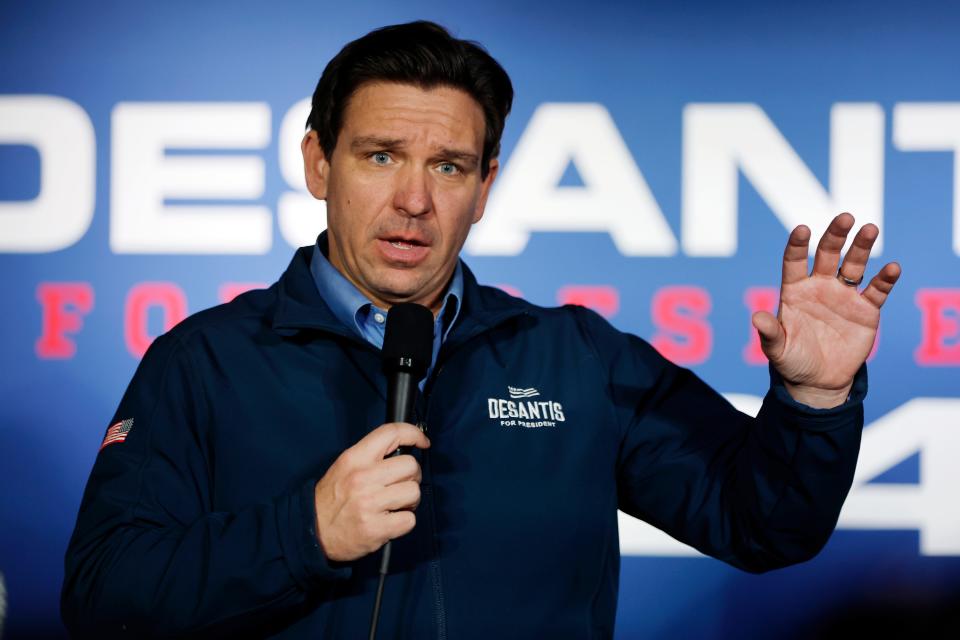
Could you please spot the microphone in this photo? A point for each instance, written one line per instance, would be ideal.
(407, 351)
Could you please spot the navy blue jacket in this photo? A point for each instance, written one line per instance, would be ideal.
(543, 423)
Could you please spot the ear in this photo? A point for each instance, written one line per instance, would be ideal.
(316, 167)
(485, 190)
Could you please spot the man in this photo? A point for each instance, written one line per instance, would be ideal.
(246, 487)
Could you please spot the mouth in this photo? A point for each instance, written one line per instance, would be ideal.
(403, 245)
(405, 250)
(405, 241)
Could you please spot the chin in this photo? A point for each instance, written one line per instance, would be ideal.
(396, 290)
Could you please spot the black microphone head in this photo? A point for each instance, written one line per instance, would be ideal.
(408, 338)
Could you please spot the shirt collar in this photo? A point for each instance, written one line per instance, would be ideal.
(353, 309)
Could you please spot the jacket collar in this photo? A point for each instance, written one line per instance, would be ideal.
(301, 307)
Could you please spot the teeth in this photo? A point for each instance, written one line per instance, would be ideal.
(402, 245)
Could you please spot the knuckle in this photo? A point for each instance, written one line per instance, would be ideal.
(355, 481)
(361, 529)
(395, 432)
(350, 481)
(411, 466)
(366, 527)
(347, 458)
(365, 504)
(406, 521)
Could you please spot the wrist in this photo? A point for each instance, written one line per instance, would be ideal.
(320, 523)
(816, 397)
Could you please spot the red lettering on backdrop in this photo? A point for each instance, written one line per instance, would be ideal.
(758, 299)
(230, 290)
(165, 295)
(603, 299)
(683, 333)
(512, 290)
(63, 305)
(940, 327)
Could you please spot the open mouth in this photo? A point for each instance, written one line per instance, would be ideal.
(404, 250)
(405, 243)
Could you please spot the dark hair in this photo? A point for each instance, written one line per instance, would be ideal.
(419, 53)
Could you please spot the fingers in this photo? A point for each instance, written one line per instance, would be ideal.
(772, 336)
(855, 262)
(370, 534)
(396, 469)
(403, 495)
(385, 439)
(358, 499)
(795, 255)
(398, 523)
(827, 258)
(882, 284)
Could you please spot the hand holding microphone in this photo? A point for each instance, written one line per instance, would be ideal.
(367, 496)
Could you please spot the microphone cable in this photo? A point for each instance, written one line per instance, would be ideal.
(407, 351)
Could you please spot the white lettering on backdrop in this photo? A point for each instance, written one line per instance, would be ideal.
(924, 426)
(720, 141)
(62, 134)
(144, 176)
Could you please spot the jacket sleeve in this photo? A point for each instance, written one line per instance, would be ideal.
(149, 557)
(758, 493)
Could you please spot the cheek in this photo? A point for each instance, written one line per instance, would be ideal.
(461, 214)
(354, 205)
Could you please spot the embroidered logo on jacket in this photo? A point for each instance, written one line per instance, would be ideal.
(520, 411)
(117, 433)
(522, 393)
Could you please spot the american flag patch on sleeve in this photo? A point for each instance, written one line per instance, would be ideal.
(117, 432)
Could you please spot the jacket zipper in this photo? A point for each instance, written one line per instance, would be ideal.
(422, 411)
(435, 579)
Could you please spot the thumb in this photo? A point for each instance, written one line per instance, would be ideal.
(385, 439)
(772, 336)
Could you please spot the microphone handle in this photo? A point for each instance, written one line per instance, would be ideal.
(401, 395)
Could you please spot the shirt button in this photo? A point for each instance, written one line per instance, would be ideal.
(379, 317)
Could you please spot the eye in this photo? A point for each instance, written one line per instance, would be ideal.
(380, 157)
(448, 169)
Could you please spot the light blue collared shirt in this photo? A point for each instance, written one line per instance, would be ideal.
(369, 321)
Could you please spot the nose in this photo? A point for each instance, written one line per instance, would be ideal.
(412, 195)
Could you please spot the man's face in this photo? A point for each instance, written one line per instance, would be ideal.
(402, 187)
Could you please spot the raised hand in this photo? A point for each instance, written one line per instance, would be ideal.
(825, 326)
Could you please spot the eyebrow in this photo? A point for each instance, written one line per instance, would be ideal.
(375, 141)
(463, 156)
(445, 153)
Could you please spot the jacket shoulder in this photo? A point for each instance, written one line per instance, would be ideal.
(496, 298)
(247, 313)
(566, 320)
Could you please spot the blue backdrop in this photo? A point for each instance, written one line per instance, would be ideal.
(656, 155)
